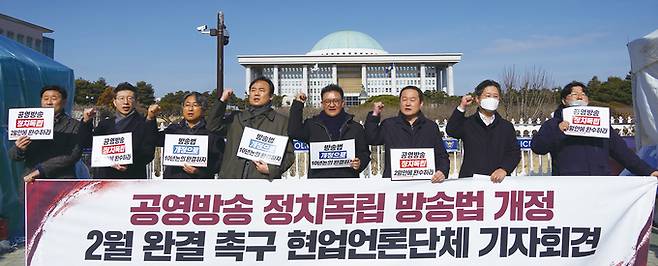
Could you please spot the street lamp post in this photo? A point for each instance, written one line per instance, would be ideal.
(222, 39)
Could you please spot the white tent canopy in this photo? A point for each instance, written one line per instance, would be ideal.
(644, 69)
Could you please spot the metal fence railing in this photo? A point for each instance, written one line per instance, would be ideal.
(530, 164)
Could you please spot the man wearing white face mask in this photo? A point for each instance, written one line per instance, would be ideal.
(490, 145)
(583, 156)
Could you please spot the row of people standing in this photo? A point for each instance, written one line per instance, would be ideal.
(411, 129)
(490, 146)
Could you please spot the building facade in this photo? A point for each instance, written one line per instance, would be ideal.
(357, 63)
(28, 34)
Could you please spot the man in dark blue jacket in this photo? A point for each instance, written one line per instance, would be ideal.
(126, 120)
(409, 129)
(583, 156)
(332, 124)
(490, 145)
(193, 123)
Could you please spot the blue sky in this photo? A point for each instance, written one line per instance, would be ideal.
(156, 41)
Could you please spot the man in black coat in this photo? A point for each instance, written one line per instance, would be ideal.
(54, 158)
(409, 129)
(332, 124)
(583, 156)
(126, 120)
(490, 145)
(193, 123)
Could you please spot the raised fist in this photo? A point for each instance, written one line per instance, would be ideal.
(226, 95)
(153, 111)
(301, 97)
(377, 108)
(88, 114)
(466, 101)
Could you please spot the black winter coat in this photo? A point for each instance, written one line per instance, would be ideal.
(215, 150)
(396, 133)
(54, 158)
(144, 137)
(314, 130)
(486, 148)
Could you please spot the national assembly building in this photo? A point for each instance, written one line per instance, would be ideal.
(357, 63)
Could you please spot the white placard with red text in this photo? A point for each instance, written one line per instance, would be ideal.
(109, 150)
(412, 164)
(587, 121)
(36, 123)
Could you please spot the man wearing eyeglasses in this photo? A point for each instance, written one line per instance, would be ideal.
(583, 156)
(332, 124)
(126, 120)
(193, 123)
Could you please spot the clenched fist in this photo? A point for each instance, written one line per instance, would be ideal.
(377, 108)
(301, 97)
(226, 95)
(466, 101)
(153, 111)
(88, 114)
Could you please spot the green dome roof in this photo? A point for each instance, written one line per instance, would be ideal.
(347, 42)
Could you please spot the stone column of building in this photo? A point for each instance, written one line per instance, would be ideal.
(334, 74)
(438, 78)
(394, 83)
(275, 79)
(247, 78)
(364, 77)
(305, 79)
(451, 88)
(444, 79)
(422, 77)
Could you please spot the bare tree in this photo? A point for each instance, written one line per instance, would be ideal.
(527, 95)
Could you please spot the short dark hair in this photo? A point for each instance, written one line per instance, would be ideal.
(569, 87)
(420, 93)
(269, 83)
(59, 89)
(332, 87)
(200, 99)
(486, 83)
(123, 87)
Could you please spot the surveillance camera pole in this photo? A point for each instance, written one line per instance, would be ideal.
(220, 53)
(222, 39)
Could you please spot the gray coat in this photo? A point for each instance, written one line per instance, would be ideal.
(54, 158)
(233, 125)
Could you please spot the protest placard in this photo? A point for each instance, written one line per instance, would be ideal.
(411, 164)
(108, 150)
(259, 145)
(36, 123)
(587, 121)
(185, 149)
(332, 154)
